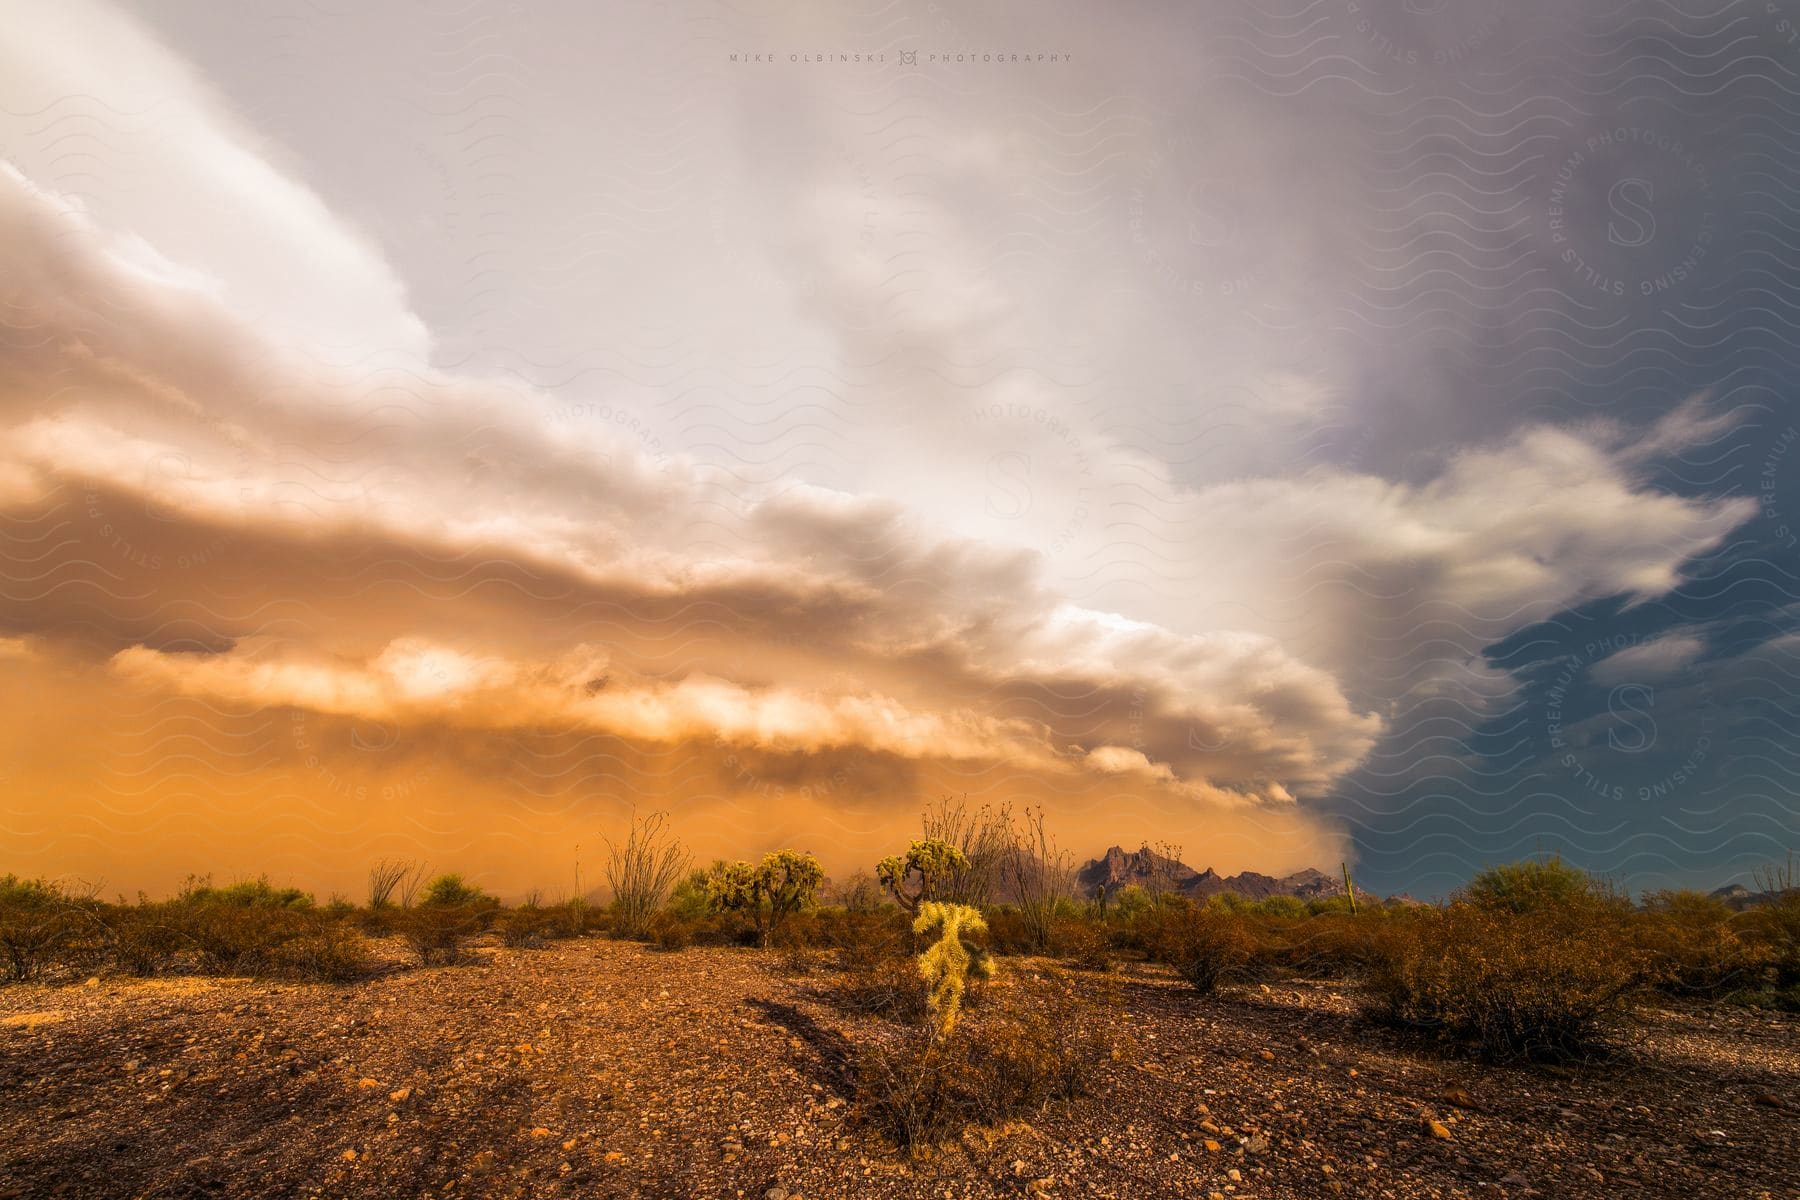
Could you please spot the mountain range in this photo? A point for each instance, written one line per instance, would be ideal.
(1144, 867)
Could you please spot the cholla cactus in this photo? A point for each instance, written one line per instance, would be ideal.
(947, 963)
(931, 860)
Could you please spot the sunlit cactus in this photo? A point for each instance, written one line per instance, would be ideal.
(948, 962)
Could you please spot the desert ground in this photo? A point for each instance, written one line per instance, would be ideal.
(601, 1068)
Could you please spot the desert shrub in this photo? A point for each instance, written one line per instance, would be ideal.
(856, 940)
(1692, 945)
(246, 893)
(1774, 925)
(450, 912)
(1331, 945)
(1208, 945)
(450, 891)
(1009, 932)
(1040, 877)
(1542, 984)
(234, 938)
(672, 931)
(393, 880)
(523, 926)
(439, 933)
(1129, 903)
(1084, 942)
(860, 893)
(689, 897)
(641, 870)
(922, 1088)
(982, 839)
(38, 925)
(1532, 885)
(147, 936)
(889, 988)
(574, 918)
(323, 950)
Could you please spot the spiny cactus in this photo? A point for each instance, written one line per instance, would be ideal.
(770, 893)
(948, 962)
(931, 860)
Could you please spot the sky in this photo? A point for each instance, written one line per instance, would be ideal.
(1299, 432)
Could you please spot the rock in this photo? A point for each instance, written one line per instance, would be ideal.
(399, 1094)
(1256, 1143)
(776, 1193)
(1514, 1179)
(1266, 1055)
(1458, 1097)
(540, 1132)
(1769, 1100)
(1212, 1147)
(1438, 1130)
(614, 1156)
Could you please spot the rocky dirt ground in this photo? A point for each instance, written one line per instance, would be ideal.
(602, 1069)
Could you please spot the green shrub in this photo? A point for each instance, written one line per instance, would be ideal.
(452, 891)
(1541, 984)
(1532, 885)
(246, 893)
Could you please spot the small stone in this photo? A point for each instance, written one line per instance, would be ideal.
(1266, 1055)
(1438, 1130)
(365, 1083)
(1458, 1097)
(399, 1094)
(1769, 1100)
(1256, 1143)
(776, 1193)
(349, 1156)
(614, 1156)
(540, 1132)
(1212, 1147)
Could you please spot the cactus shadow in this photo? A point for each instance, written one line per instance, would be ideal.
(831, 1063)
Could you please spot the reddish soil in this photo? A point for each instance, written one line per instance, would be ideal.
(601, 1069)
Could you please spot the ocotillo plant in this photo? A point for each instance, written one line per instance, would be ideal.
(946, 963)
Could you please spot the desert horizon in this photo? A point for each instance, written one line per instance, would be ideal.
(899, 598)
